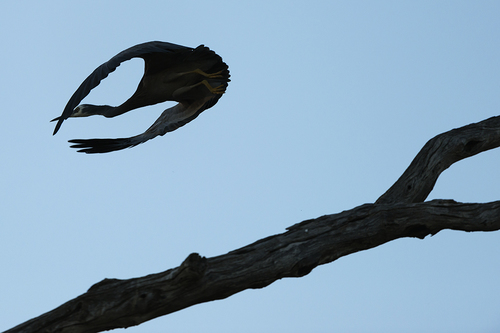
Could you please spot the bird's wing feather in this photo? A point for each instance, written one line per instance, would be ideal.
(103, 71)
(170, 120)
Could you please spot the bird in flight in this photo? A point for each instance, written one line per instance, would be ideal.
(194, 77)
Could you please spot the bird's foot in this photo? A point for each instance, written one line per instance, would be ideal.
(219, 90)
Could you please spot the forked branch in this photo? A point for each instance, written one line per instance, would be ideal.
(437, 155)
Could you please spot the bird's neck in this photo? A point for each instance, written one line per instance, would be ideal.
(87, 110)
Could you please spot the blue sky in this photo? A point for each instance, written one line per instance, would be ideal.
(328, 104)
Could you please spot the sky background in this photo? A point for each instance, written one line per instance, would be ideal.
(329, 101)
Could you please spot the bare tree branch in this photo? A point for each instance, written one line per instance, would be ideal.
(114, 303)
(437, 155)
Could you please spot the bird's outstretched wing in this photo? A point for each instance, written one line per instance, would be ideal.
(103, 71)
(170, 120)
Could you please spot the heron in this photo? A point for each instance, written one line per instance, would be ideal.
(194, 77)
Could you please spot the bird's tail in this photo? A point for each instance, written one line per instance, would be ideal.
(210, 62)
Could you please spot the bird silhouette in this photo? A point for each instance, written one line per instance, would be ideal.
(194, 77)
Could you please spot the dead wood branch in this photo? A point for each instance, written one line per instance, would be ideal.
(398, 213)
(437, 155)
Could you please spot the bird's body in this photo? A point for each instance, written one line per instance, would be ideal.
(196, 78)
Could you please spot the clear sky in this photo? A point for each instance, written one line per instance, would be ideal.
(328, 104)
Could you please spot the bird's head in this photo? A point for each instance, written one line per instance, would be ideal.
(82, 110)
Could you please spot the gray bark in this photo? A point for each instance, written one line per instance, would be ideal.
(400, 212)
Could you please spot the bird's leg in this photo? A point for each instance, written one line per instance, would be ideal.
(210, 76)
(196, 91)
(217, 90)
